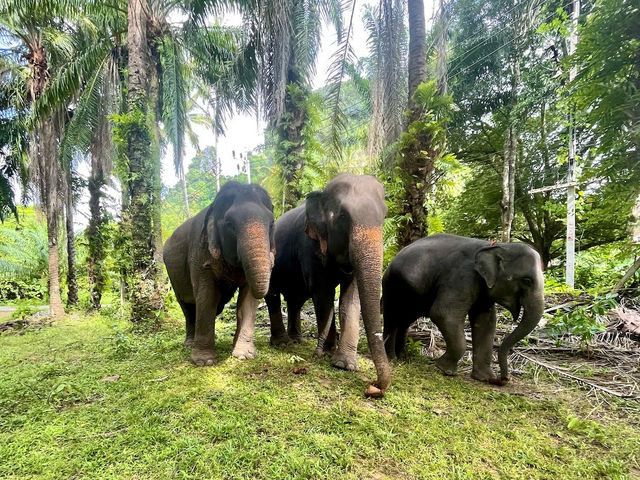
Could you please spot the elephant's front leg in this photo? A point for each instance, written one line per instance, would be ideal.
(323, 305)
(207, 299)
(451, 325)
(483, 331)
(278, 332)
(349, 312)
(243, 347)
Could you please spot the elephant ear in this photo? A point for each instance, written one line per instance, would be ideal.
(217, 209)
(488, 263)
(316, 226)
(209, 237)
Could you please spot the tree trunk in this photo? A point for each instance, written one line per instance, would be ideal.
(94, 234)
(185, 194)
(291, 142)
(508, 180)
(43, 153)
(507, 204)
(441, 63)
(72, 282)
(417, 160)
(55, 300)
(146, 297)
(417, 47)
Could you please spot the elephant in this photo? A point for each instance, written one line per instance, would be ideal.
(333, 238)
(227, 246)
(446, 277)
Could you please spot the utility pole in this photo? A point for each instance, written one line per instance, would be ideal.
(571, 178)
(571, 183)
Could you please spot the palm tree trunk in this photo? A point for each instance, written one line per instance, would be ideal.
(185, 194)
(94, 239)
(290, 135)
(49, 180)
(418, 159)
(417, 46)
(146, 297)
(72, 282)
(55, 300)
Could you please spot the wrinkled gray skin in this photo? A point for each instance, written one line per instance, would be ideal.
(333, 238)
(227, 246)
(446, 277)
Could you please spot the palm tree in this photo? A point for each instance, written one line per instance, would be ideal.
(30, 28)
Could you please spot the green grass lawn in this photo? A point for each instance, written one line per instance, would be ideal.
(164, 418)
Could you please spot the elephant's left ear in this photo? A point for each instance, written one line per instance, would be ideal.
(316, 226)
(488, 263)
(209, 234)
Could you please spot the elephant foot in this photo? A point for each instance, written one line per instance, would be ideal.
(244, 351)
(322, 350)
(295, 339)
(188, 342)
(483, 375)
(447, 366)
(203, 357)
(503, 380)
(345, 362)
(280, 340)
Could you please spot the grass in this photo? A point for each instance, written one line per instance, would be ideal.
(164, 418)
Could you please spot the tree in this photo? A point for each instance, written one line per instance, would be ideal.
(27, 22)
(135, 129)
(423, 143)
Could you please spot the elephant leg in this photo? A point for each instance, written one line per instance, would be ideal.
(323, 305)
(346, 357)
(389, 334)
(278, 332)
(294, 324)
(207, 299)
(189, 311)
(483, 331)
(243, 347)
(451, 326)
(401, 339)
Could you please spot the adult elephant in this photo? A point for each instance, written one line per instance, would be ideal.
(333, 238)
(446, 277)
(227, 246)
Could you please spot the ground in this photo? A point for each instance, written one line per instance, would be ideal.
(85, 398)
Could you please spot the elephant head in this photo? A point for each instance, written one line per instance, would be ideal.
(238, 229)
(346, 219)
(514, 279)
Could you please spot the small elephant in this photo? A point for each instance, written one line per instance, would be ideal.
(227, 246)
(446, 277)
(333, 238)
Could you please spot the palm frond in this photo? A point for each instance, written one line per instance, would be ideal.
(174, 97)
(343, 56)
(68, 81)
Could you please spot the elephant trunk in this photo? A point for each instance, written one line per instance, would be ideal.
(366, 256)
(533, 309)
(257, 259)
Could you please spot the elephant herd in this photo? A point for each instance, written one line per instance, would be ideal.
(335, 238)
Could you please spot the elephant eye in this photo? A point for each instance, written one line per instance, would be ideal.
(229, 224)
(527, 281)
